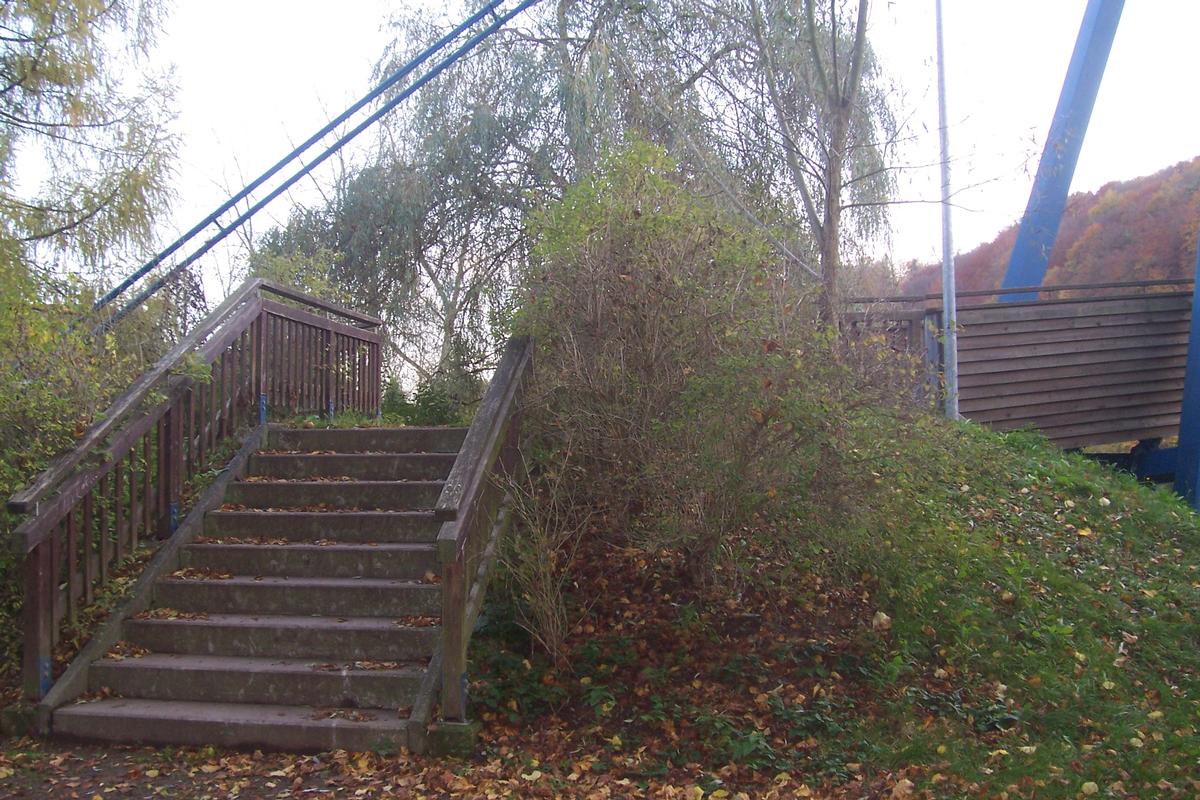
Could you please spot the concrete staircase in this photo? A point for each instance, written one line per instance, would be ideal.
(304, 618)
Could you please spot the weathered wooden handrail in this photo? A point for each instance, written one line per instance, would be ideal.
(1051, 289)
(123, 480)
(472, 508)
(25, 501)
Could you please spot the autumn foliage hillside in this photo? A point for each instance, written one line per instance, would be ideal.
(1142, 229)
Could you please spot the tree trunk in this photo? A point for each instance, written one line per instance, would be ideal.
(831, 302)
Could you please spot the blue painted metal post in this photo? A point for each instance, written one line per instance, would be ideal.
(1039, 226)
(1187, 465)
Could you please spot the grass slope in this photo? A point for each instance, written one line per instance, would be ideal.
(997, 617)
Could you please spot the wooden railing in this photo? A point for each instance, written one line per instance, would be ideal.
(1103, 366)
(474, 512)
(122, 482)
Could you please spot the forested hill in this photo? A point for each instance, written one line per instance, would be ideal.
(1142, 229)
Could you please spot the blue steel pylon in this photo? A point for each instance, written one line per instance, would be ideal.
(1048, 198)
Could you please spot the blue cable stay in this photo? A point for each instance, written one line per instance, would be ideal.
(223, 232)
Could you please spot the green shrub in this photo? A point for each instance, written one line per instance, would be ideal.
(681, 378)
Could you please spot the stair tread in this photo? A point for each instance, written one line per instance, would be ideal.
(381, 455)
(415, 548)
(325, 481)
(423, 513)
(282, 620)
(305, 581)
(199, 711)
(296, 666)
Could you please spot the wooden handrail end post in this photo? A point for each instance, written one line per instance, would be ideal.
(37, 657)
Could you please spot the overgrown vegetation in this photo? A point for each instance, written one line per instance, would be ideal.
(747, 552)
(682, 380)
(993, 616)
(82, 115)
(746, 560)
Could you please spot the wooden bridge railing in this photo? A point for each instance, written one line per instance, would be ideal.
(474, 512)
(1087, 365)
(122, 482)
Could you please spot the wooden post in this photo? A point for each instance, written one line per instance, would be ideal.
(454, 656)
(38, 622)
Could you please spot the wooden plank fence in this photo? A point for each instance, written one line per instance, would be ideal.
(1082, 370)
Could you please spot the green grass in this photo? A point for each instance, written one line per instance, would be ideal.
(1054, 594)
(1043, 632)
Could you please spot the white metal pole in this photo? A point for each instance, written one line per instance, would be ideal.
(949, 302)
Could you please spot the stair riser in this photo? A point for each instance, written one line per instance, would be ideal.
(368, 440)
(402, 644)
(217, 597)
(347, 735)
(354, 689)
(326, 562)
(410, 467)
(336, 494)
(310, 527)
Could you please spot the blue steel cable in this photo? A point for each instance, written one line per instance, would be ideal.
(370, 97)
(225, 231)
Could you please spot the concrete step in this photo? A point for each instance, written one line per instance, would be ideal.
(315, 526)
(364, 466)
(285, 636)
(366, 440)
(245, 594)
(401, 561)
(228, 679)
(366, 495)
(273, 727)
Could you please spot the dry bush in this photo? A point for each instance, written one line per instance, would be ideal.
(681, 381)
(551, 523)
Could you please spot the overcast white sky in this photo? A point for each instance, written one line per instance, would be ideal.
(256, 76)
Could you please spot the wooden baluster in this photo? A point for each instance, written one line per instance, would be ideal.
(281, 362)
(210, 433)
(72, 567)
(235, 383)
(277, 364)
(294, 365)
(377, 400)
(360, 377)
(190, 448)
(300, 331)
(200, 395)
(88, 536)
(344, 369)
(289, 361)
(310, 397)
(58, 599)
(327, 372)
(244, 378)
(162, 469)
(221, 424)
(254, 378)
(106, 502)
(147, 490)
(119, 508)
